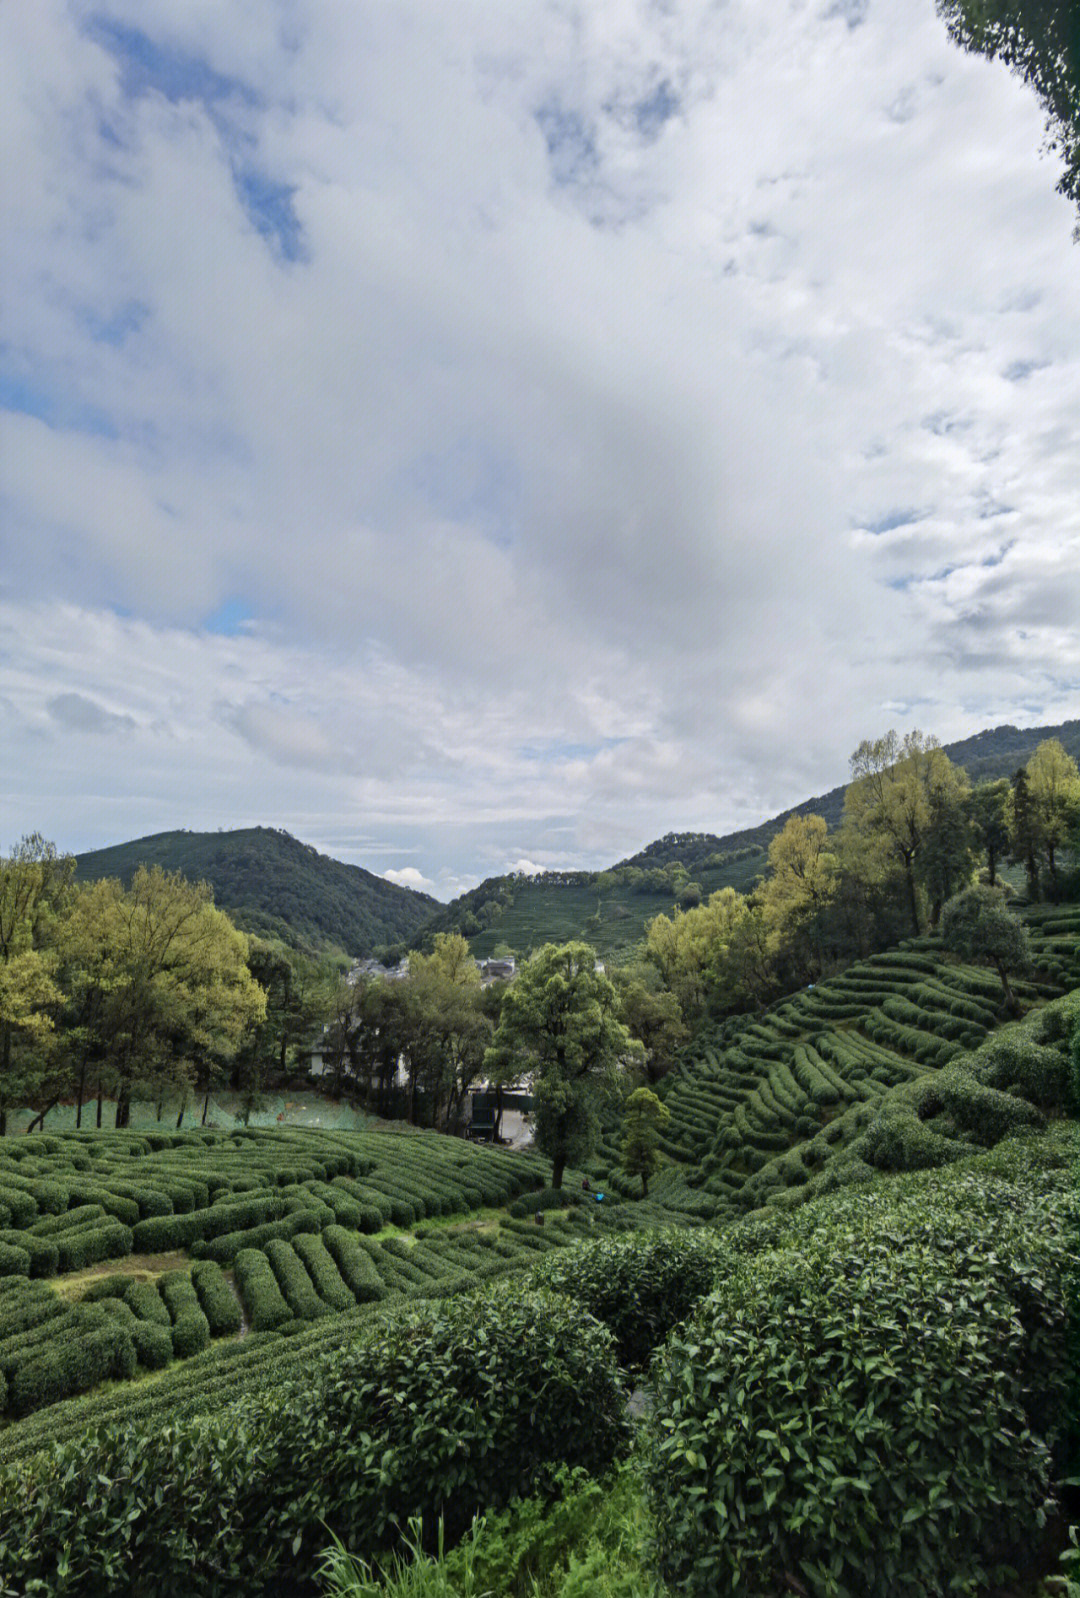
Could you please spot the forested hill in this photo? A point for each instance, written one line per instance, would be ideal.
(998, 752)
(273, 885)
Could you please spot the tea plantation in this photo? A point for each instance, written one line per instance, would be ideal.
(853, 1279)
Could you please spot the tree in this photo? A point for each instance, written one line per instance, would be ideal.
(990, 818)
(34, 883)
(173, 998)
(1024, 830)
(687, 950)
(453, 1032)
(978, 926)
(799, 890)
(1040, 41)
(643, 1120)
(560, 1019)
(652, 1015)
(899, 789)
(1054, 789)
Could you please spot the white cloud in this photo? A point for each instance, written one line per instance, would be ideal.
(537, 423)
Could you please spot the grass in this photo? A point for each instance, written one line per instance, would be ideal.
(141, 1267)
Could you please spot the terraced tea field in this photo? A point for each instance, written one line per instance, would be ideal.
(192, 1266)
(759, 1107)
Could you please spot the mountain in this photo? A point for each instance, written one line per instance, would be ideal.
(521, 913)
(985, 756)
(273, 885)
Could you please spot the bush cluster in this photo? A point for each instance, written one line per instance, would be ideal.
(453, 1407)
(824, 1418)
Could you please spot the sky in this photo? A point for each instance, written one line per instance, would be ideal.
(491, 436)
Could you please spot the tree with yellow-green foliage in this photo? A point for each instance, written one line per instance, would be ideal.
(689, 949)
(162, 979)
(34, 884)
(799, 890)
(1053, 781)
(902, 800)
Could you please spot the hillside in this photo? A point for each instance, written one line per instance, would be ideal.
(818, 1351)
(985, 756)
(611, 909)
(274, 886)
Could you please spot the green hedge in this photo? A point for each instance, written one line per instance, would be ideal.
(821, 1416)
(454, 1407)
(357, 1268)
(217, 1299)
(639, 1285)
(259, 1290)
(71, 1365)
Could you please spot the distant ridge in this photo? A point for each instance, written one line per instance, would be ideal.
(273, 885)
(985, 756)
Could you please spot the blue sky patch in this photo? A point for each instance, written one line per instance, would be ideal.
(894, 519)
(270, 211)
(28, 398)
(148, 66)
(657, 108)
(571, 146)
(229, 620)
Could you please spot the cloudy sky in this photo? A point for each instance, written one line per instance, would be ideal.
(495, 432)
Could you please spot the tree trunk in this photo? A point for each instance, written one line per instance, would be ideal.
(123, 1106)
(558, 1166)
(206, 1105)
(644, 1184)
(1010, 997)
(39, 1119)
(913, 897)
(180, 1117)
(99, 1093)
(991, 863)
(79, 1095)
(3, 1121)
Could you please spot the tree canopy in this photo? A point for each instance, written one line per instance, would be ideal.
(1039, 40)
(560, 1021)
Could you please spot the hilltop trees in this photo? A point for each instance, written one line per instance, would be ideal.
(560, 1020)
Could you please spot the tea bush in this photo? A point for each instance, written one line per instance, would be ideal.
(448, 1409)
(639, 1285)
(879, 1380)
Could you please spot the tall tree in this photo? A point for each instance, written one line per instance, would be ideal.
(897, 786)
(560, 1020)
(1039, 40)
(652, 1015)
(1054, 788)
(801, 886)
(1024, 830)
(34, 882)
(990, 818)
(978, 926)
(688, 950)
(453, 1031)
(175, 996)
(644, 1118)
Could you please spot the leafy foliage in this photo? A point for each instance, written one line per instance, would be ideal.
(822, 1420)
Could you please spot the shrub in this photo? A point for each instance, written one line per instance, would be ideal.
(153, 1344)
(147, 1303)
(358, 1270)
(266, 1308)
(448, 1409)
(71, 1365)
(294, 1281)
(217, 1299)
(104, 1240)
(14, 1261)
(547, 1198)
(639, 1285)
(821, 1417)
